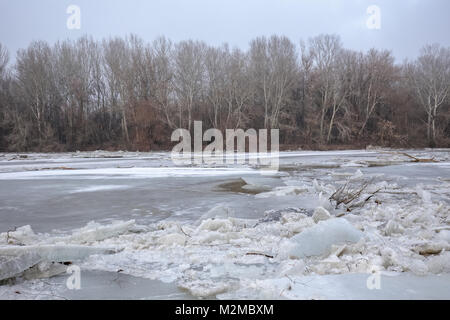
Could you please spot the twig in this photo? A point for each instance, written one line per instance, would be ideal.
(259, 254)
(370, 197)
(187, 235)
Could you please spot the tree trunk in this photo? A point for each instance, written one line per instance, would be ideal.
(331, 125)
(429, 128)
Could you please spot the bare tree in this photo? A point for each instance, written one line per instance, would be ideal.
(163, 76)
(325, 51)
(216, 60)
(338, 90)
(430, 79)
(123, 92)
(37, 85)
(137, 77)
(379, 74)
(238, 90)
(189, 76)
(117, 62)
(4, 59)
(274, 70)
(74, 70)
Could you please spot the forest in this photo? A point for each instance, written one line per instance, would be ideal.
(126, 94)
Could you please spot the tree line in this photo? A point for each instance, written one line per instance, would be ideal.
(123, 93)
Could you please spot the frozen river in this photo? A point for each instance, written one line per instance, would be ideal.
(229, 231)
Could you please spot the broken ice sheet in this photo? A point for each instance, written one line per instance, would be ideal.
(404, 230)
(10, 266)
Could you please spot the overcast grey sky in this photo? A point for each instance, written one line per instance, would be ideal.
(406, 25)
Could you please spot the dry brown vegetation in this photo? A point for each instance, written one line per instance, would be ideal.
(126, 94)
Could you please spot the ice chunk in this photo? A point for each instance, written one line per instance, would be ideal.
(322, 188)
(44, 270)
(318, 239)
(173, 238)
(219, 211)
(12, 266)
(321, 214)
(393, 227)
(221, 225)
(206, 288)
(291, 267)
(285, 215)
(20, 236)
(432, 248)
(88, 234)
(425, 195)
(95, 232)
(282, 191)
(261, 183)
(358, 175)
(444, 235)
(211, 236)
(440, 263)
(417, 267)
(57, 253)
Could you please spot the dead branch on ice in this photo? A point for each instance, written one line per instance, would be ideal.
(415, 159)
(259, 254)
(345, 195)
(349, 196)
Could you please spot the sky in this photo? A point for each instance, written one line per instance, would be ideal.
(405, 25)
